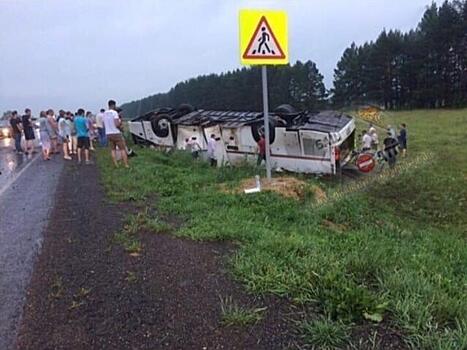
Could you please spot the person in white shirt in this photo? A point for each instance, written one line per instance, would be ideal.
(212, 143)
(374, 138)
(64, 132)
(100, 128)
(366, 141)
(112, 124)
(194, 147)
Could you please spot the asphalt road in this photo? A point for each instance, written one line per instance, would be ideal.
(27, 189)
(10, 162)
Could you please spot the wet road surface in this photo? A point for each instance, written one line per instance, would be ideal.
(27, 189)
(10, 162)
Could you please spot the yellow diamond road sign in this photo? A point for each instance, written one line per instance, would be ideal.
(263, 37)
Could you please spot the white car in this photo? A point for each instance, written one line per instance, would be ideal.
(5, 129)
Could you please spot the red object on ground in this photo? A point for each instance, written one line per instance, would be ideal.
(366, 162)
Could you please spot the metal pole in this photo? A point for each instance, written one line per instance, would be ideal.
(264, 74)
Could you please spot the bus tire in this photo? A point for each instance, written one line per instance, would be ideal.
(257, 130)
(161, 124)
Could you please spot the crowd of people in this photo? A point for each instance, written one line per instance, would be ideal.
(75, 133)
(370, 138)
(370, 141)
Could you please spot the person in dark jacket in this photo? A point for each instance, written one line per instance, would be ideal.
(402, 138)
(390, 152)
(17, 130)
(28, 128)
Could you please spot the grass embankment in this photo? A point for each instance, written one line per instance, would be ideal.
(396, 253)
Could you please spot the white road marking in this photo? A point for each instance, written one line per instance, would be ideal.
(17, 175)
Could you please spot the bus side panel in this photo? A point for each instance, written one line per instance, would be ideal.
(153, 138)
(317, 145)
(185, 132)
(302, 165)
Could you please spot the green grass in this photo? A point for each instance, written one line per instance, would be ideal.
(144, 220)
(234, 315)
(401, 257)
(324, 334)
(131, 244)
(438, 192)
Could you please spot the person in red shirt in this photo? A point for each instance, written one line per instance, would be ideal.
(261, 150)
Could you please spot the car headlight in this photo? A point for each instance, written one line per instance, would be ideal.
(5, 132)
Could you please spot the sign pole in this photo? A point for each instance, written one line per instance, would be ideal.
(263, 42)
(264, 74)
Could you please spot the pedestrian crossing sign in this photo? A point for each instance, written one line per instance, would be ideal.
(263, 37)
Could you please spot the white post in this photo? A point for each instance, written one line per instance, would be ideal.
(264, 74)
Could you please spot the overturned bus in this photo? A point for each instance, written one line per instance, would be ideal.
(305, 142)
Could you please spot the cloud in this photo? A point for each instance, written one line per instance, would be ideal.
(80, 53)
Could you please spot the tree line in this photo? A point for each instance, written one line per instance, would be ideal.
(300, 85)
(423, 68)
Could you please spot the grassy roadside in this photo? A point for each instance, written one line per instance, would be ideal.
(400, 259)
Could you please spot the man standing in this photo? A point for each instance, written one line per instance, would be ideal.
(16, 128)
(261, 150)
(91, 132)
(374, 138)
(390, 144)
(61, 114)
(212, 150)
(28, 132)
(194, 147)
(112, 124)
(403, 139)
(73, 137)
(82, 131)
(366, 141)
(100, 128)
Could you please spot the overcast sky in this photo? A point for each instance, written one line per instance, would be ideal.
(79, 53)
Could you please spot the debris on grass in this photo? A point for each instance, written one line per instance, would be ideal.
(287, 186)
(339, 228)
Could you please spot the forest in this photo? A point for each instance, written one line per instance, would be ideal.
(423, 68)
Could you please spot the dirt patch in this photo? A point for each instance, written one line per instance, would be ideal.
(286, 186)
(379, 336)
(87, 292)
(339, 228)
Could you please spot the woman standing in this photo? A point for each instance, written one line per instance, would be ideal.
(92, 131)
(65, 134)
(44, 132)
(53, 131)
(73, 136)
